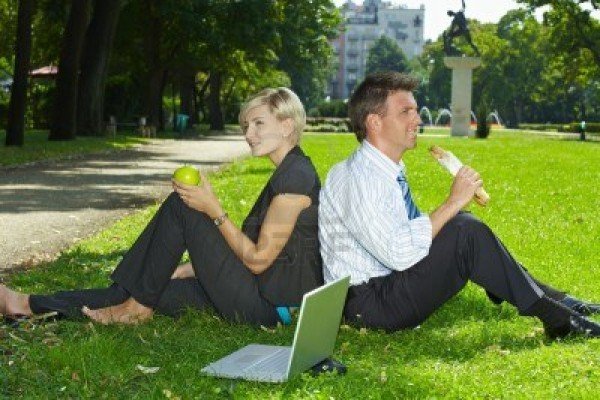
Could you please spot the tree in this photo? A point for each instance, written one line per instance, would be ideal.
(8, 27)
(438, 79)
(227, 38)
(305, 53)
(65, 107)
(573, 26)
(386, 55)
(15, 130)
(94, 67)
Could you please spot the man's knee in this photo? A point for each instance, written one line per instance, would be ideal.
(469, 222)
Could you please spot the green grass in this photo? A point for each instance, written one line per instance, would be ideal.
(38, 148)
(544, 207)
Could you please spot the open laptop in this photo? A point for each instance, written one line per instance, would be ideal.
(314, 340)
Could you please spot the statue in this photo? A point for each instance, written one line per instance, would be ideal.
(458, 27)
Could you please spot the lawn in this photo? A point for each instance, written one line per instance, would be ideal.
(544, 207)
(37, 147)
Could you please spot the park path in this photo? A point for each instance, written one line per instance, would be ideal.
(45, 208)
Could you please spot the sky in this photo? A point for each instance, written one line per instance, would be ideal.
(436, 19)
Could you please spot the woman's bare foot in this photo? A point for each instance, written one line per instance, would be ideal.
(129, 312)
(13, 303)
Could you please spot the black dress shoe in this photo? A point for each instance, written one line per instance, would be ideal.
(577, 325)
(581, 307)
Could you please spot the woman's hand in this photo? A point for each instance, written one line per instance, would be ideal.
(200, 198)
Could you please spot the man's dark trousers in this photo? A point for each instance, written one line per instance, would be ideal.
(465, 249)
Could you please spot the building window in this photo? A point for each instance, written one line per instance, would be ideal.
(401, 36)
(417, 22)
(397, 25)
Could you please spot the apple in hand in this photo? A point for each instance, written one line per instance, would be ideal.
(187, 175)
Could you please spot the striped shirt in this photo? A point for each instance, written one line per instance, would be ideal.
(364, 229)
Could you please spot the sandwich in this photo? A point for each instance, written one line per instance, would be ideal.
(453, 164)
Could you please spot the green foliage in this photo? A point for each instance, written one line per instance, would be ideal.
(540, 127)
(305, 53)
(8, 28)
(435, 93)
(523, 72)
(573, 127)
(570, 16)
(386, 55)
(469, 348)
(333, 108)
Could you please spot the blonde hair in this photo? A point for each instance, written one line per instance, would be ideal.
(283, 104)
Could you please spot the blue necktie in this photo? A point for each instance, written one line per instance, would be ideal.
(411, 207)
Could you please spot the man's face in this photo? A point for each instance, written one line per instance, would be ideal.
(400, 121)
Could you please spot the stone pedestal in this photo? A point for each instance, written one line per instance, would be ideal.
(462, 84)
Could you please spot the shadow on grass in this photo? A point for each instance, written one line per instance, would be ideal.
(81, 185)
(75, 269)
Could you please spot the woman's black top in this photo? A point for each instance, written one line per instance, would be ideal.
(298, 268)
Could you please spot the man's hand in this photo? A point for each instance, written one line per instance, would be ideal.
(466, 182)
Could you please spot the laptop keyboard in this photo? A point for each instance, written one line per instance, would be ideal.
(276, 362)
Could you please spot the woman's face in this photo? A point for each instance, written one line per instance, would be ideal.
(265, 134)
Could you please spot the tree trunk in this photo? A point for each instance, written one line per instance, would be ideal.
(152, 84)
(64, 122)
(15, 129)
(159, 99)
(214, 102)
(94, 67)
(187, 81)
(199, 97)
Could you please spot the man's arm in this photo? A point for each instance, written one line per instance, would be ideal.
(373, 219)
(466, 182)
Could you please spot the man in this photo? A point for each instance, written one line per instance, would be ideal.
(405, 264)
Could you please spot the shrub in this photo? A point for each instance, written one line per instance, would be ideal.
(333, 108)
(573, 127)
(540, 127)
(328, 127)
(483, 125)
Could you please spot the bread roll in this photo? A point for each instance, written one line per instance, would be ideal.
(453, 164)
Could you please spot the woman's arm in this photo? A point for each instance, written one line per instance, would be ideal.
(275, 231)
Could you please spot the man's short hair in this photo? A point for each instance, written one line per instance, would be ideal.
(370, 96)
(283, 104)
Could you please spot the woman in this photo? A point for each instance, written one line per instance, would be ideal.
(250, 275)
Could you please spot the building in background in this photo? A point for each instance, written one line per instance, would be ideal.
(363, 25)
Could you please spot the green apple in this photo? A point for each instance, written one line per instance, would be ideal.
(187, 175)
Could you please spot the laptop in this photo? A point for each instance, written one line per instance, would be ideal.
(314, 340)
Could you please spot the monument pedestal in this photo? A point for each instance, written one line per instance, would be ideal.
(462, 86)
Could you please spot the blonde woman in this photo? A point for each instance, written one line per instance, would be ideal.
(251, 275)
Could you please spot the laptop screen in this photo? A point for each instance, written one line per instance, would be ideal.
(318, 325)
